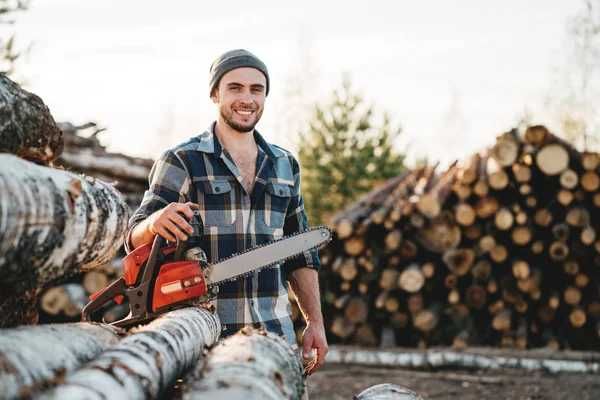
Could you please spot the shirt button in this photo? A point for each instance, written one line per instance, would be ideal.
(280, 191)
(217, 189)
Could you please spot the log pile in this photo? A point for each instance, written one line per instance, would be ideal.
(64, 302)
(501, 249)
(83, 153)
(53, 223)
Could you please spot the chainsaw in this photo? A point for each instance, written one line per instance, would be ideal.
(160, 277)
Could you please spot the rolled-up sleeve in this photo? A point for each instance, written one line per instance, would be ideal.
(169, 182)
(297, 221)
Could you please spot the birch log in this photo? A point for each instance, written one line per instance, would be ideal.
(387, 391)
(474, 358)
(27, 128)
(146, 363)
(251, 365)
(52, 222)
(31, 357)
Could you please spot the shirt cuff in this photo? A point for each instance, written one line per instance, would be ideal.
(127, 242)
(309, 259)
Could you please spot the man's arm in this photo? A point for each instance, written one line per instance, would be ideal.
(165, 206)
(302, 274)
(305, 285)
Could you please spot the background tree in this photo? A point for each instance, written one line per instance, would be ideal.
(575, 95)
(8, 52)
(344, 153)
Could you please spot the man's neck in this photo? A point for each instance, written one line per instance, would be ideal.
(233, 140)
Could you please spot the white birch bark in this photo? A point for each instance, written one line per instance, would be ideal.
(54, 223)
(387, 391)
(146, 363)
(473, 358)
(31, 356)
(250, 365)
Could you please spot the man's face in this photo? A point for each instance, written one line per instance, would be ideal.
(240, 97)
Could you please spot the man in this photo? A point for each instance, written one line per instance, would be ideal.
(248, 193)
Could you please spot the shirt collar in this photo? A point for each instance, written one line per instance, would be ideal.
(209, 143)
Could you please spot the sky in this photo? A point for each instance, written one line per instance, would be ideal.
(453, 74)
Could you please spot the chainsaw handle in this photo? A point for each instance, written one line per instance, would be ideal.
(198, 226)
(114, 291)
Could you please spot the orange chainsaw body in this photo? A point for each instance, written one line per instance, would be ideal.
(178, 282)
(157, 277)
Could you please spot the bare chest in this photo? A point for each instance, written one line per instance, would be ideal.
(246, 164)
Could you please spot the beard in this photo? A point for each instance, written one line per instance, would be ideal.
(237, 126)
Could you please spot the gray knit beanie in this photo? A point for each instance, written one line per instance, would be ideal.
(235, 59)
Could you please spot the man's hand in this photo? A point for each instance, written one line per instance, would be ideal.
(314, 337)
(167, 222)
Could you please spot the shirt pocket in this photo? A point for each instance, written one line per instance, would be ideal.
(217, 199)
(277, 200)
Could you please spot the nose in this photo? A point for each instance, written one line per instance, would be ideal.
(246, 98)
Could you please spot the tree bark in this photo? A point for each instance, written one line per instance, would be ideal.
(251, 365)
(27, 128)
(30, 357)
(147, 362)
(54, 223)
(475, 358)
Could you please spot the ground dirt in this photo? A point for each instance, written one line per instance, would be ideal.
(335, 381)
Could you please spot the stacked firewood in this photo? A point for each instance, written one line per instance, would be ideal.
(83, 153)
(64, 302)
(53, 223)
(501, 249)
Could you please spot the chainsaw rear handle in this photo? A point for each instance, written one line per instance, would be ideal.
(118, 289)
(115, 291)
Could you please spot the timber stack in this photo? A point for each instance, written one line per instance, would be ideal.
(501, 249)
(53, 223)
(83, 153)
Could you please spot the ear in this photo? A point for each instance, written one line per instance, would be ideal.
(215, 95)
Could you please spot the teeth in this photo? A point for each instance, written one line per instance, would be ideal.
(244, 112)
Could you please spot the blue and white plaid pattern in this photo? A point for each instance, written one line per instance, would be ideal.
(201, 171)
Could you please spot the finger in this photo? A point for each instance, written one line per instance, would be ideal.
(192, 205)
(307, 345)
(321, 353)
(164, 233)
(188, 209)
(181, 223)
(171, 227)
(184, 210)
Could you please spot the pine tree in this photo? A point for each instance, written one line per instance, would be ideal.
(344, 154)
(8, 51)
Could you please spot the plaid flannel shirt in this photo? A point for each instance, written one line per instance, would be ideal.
(201, 171)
